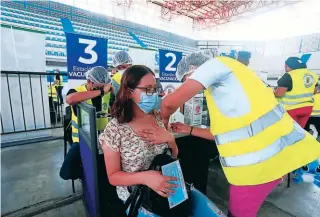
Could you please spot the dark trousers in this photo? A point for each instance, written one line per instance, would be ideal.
(194, 155)
(315, 121)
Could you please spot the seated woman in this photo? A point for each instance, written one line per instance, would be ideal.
(128, 155)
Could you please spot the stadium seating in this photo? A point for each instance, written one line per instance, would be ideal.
(18, 14)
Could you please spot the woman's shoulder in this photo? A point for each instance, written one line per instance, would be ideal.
(114, 123)
(158, 118)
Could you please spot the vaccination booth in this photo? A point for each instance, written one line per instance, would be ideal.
(100, 197)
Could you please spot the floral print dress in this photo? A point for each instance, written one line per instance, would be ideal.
(135, 154)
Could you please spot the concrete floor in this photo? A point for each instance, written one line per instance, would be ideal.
(30, 174)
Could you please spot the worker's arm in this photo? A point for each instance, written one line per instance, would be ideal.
(284, 85)
(209, 73)
(280, 91)
(76, 97)
(195, 131)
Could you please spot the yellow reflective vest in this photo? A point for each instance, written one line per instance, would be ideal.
(316, 106)
(60, 83)
(303, 84)
(265, 143)
(117, 77)
(75, 127)
(52, 92)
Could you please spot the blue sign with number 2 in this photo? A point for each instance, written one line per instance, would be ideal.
(168, 65)
(83, 53)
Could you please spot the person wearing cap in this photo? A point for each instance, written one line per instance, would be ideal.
(253, 132)
(121, 61)
(244, 57)
(95, 92)
(296, 89)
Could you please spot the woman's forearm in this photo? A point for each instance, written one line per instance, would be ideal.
(122, 178)
(202, 133)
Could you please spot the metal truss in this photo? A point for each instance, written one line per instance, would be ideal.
(210, 13)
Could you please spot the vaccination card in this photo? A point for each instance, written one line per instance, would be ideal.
(174, 170)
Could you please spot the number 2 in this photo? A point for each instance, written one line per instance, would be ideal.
(88, 50)
(173, 60)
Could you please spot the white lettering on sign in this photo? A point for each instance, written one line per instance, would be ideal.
(173, 60)
(77, 74)
(88, 50)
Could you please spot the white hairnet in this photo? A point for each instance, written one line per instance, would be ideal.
(98, 75)
(121, 58)
(189, 62)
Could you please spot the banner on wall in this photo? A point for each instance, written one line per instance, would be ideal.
(83, 53)
(168, 62)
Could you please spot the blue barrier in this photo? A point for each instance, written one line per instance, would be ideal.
(99, 197)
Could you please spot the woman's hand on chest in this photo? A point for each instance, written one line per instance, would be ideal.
(156, 135)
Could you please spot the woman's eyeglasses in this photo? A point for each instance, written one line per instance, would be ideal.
(150, 90)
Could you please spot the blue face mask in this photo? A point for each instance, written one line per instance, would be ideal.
(148, 103)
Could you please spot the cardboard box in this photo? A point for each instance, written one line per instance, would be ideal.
(193, 110)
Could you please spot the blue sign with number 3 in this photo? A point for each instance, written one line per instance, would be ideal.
(168, 65)
(83, 53)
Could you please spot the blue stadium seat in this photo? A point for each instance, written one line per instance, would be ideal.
(118, 37)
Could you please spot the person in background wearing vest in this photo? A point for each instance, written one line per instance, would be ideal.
(253, 133)
(121, 61)
(58, 84)
(96, 91)
(315, 115)
(296, 89)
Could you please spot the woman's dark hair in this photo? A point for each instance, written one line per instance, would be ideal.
(122, 106)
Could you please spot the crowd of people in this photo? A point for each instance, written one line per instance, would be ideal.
(255, 129)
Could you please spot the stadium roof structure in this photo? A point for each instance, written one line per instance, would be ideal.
(211, 13)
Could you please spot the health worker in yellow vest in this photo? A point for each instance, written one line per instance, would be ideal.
(95, 92)
(121, 61)
(296, 89)
(58, 84)
(253, 133)
(244, 57)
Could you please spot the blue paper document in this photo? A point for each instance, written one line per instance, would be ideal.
(174, 169)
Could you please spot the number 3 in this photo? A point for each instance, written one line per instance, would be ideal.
(88, 50)
(173, 60)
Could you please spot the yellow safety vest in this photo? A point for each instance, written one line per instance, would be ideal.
(316, 106)
(264, 144)
(303, 84)
(75, 127)
(52, 92)
(117, 77)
